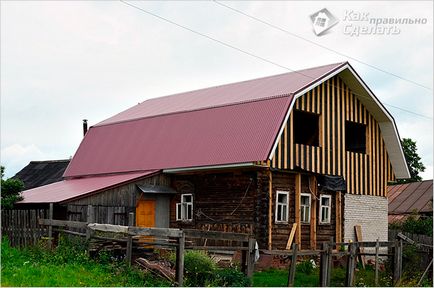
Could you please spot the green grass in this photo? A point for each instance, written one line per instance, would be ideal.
(68, 265)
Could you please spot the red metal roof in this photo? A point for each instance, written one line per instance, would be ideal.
(251, 90)
(75, 188)
(223, 135)
(415, 196)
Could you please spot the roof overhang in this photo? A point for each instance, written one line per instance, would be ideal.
(207, 168)
(370, 101)
(155, 189)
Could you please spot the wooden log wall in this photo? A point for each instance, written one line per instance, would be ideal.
(21, 227)
(365, 173)
(226, 202)
(117, 215)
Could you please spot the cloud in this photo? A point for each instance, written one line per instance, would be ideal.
(64, 61)
(15, 157)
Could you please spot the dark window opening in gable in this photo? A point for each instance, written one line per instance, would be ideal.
(355, 137)
(306, 128)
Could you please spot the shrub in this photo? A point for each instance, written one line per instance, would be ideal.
(199, 268)
(229, 277)
(306, 267)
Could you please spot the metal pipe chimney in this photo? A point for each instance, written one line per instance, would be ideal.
(84, 127)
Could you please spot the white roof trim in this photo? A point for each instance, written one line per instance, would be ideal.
(387, 126)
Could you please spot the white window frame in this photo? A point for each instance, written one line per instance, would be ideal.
(281, 204)
(303, 208)
(183, 208)
(328, 207)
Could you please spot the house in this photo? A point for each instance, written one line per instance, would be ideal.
(40, 173)
(410, 198)
(313, 147)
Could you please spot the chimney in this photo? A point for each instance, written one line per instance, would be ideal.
(84, 127)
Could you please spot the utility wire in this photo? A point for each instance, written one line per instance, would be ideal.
(254, 55)
(318, 44)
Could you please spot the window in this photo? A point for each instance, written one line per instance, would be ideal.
(355, 137)
(325, 209)
(184, 210)
(305, 208)
(282, 202)
(306, 128)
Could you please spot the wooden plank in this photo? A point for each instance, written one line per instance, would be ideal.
(377, 250)
(323, 265)
(297, 208)
(291, 236)
(351, 265)
(338, 216)
(62, 223)
(250, 258)
(180, 260)
(291, 275)
(217, 235)
(270, 210)
(313, 214)
(359, 238)
(50, 227)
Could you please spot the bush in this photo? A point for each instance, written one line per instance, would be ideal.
(199, 268)
(306, 267)
(229, 277)
(415, 225)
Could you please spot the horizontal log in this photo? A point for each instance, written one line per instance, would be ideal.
(70, 232)
(216, 235)
(214, 248)
(62, 223)
(158, 232)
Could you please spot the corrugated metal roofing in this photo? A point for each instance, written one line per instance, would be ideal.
(415, 196)
(246, 91)
(230, 134)
(75, 188)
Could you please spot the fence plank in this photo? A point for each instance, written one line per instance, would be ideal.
(291, 275)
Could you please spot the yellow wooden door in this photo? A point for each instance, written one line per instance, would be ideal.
(145, 213)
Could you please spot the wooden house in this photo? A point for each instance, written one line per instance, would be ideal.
(40, 173)
(313, 148)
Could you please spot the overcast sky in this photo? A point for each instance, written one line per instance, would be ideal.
(63, 61)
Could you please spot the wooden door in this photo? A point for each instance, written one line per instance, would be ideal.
(145, 213)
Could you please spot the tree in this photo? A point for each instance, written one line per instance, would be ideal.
(413, 161)
(10, 190)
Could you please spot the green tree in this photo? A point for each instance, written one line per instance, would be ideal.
(413, 161)
(10, 190)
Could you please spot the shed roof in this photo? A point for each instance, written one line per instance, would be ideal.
(79, 187)
(415, 196)
(39, 173)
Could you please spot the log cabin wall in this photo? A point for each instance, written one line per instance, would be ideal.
(365, 173)
(113, 205)
(228, 201)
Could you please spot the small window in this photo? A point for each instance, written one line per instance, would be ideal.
(355, 137)
(305, 208)
(184, 210)
(306, 128)
(282, 203)
(325, 209)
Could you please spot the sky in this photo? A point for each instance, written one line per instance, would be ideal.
(64, 61)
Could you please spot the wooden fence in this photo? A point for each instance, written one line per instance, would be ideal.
(21, 226)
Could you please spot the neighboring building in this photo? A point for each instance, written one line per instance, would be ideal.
(415, 198)
(40, 173)
(313, 147)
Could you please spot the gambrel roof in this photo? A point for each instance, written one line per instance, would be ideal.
(225, 125)
(231, 125)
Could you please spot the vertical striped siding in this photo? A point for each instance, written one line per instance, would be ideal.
(365, 174)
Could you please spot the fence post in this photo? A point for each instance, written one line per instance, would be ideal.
(329, 262)
(130, 239)
(180, 260)
(323, 265)
(351, 265)
(90, 219)
(397, 262)
(251, 258)
(50, 227)
(291, 275)
(377, 251)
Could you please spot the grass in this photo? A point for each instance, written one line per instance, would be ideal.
(279, 278)
(67, 265)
